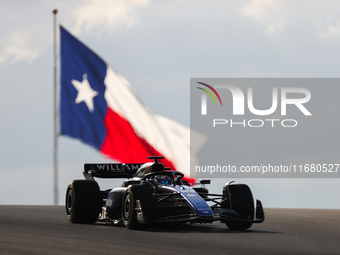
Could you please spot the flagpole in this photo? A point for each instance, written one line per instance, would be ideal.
(55, 111)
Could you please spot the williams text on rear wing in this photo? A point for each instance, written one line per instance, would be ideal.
(110, 170)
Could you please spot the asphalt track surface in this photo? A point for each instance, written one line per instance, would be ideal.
(46, 230)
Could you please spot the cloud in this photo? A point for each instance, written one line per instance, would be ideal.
(316, 17)
(106, 15)
(330, 31)
(270, 14)
(19, 46)
(26, 27)
(26, 30)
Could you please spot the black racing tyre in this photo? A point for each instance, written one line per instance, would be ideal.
(137, 192)
(83, 201)
(243, 203)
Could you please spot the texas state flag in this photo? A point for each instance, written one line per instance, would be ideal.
(98, 106)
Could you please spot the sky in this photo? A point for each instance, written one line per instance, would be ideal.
(157, 46)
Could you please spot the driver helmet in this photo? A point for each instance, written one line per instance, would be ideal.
(163, 179)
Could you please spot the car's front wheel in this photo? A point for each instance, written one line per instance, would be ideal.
(129, 214)
(243, 203)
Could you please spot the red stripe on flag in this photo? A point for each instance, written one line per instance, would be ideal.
(124, 145)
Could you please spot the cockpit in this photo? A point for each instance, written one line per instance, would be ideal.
(163, 179)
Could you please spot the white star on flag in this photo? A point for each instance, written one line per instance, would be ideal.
(85, 92)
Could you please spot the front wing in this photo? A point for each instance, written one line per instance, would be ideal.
(219, 214)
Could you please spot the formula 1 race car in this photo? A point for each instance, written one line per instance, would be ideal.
(153, 194)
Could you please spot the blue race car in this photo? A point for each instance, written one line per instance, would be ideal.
(153, 194)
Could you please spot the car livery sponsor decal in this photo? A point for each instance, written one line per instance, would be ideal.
(196, 201)
(109, 202)
(115, 167)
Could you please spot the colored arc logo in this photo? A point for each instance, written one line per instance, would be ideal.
(209, 92)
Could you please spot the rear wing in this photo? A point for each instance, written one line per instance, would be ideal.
(110, 170)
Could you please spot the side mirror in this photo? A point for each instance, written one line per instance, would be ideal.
(205, 181)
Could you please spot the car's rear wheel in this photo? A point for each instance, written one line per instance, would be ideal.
(83, 201)
(243, 203)
(129, 213)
